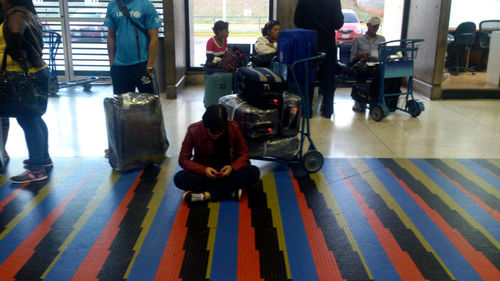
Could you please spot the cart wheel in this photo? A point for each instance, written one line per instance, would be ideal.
(53, 87)
(312, 161)
(87, 87)
(377, 113)
(415, 107)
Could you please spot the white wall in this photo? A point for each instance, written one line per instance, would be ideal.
(473, 10)
(393, 18)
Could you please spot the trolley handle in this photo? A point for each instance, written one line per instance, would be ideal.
(320, 56)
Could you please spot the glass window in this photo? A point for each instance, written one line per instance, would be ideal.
(245, 18)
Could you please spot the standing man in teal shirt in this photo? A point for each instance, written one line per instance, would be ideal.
(132, 47)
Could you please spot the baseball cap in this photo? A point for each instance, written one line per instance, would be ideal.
(374, 21)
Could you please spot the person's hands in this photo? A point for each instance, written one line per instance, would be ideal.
(211, 173)
(365, 55)
(270, 44)
(150, 71)
(216, 60)
(226, 170)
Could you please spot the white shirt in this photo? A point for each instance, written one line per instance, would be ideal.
(262, 48)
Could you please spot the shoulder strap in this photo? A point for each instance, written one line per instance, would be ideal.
(123, 8)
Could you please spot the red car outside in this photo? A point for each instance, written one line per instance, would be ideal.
(351, 28)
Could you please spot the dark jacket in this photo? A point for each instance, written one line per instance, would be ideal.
(324, 16)
(23, 34)
(197, 139)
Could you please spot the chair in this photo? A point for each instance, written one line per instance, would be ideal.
(483, 37)
(465, 36)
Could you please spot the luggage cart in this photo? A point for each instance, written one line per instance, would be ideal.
(53, 39)
(396, 60)
(311, 160)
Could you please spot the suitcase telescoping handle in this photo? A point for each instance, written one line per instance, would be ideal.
(156, 87)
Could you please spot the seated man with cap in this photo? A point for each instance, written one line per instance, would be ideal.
(366, 46)
(364, 49)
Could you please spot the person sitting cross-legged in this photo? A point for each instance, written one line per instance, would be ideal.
(215, 159)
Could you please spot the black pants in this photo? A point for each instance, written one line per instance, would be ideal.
(326, 44)
(391, 85)
(126, 78)
(219, 189)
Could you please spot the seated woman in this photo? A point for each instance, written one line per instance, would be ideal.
(217, 45)
(220, 167)
(266, 46)
(365, 48)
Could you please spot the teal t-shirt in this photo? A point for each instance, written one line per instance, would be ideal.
(144, 14)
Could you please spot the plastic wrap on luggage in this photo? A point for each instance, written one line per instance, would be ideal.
(291, 115)
(136, 132)
(280, 148)
(254, 122)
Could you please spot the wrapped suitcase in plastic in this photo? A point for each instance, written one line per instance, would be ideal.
(136, 132)
(255, 123)
(280, 148)
(291, 115)
(259, 86)
(217, 85)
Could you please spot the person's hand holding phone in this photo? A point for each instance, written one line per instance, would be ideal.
(226, 171)
(211, 173)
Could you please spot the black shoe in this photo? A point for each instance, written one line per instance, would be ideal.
(326, 115)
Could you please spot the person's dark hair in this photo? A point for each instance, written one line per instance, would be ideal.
(215, 118)
(28, 4)
(268, 26)
(220, 25)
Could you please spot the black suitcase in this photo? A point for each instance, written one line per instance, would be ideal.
(259, 86)
(291, 115)
(255, 123)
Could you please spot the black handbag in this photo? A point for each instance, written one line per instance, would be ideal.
(19, 94)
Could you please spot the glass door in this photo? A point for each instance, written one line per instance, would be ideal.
(246, 18)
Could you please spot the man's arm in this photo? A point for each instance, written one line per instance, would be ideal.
(153, 47)
(111, 41)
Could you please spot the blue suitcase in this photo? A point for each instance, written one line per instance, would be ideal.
(217, 85)
(295, 44)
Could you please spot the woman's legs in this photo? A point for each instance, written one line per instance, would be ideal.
(36, 135)
(5, 134)
(245, 177)
(219, 188)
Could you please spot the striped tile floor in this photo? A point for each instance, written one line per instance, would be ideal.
(357, 219)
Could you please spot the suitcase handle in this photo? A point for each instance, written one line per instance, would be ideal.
(156, 87)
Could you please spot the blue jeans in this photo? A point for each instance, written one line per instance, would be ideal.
(35, 129)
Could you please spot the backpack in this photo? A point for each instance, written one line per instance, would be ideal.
(232, 59)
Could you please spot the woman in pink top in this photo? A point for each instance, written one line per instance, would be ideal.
(217, 45)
